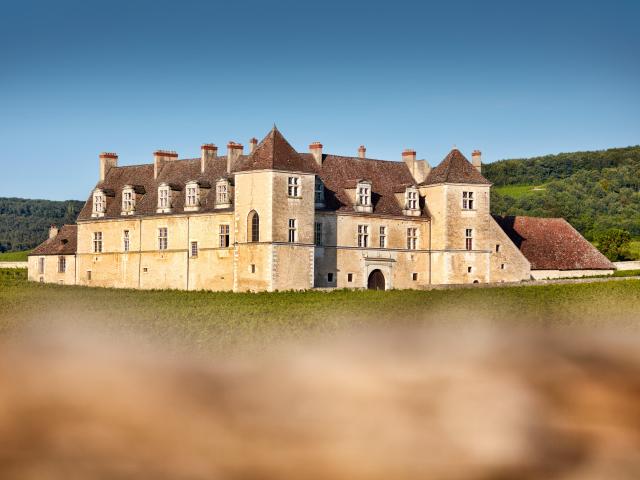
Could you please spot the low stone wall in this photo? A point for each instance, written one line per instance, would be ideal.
(13, 264)
(553, 274)
(633, 265)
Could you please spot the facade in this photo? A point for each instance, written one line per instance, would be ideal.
(276, 219)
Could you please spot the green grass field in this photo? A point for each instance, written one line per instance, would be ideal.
(518, 191)
(14, 256)
(219, 320)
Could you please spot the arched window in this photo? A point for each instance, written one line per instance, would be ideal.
(253, 226)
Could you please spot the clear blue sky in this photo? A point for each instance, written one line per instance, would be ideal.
(511, 78)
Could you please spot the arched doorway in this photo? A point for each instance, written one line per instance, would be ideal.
(376, 280)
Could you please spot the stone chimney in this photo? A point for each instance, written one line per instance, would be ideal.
(159, 159)
(476, 159)
(253, 143)
(208, 151)
(362, 151)
(107, 160)
(53, 231)
(234, 150)
(419, 169)
(316, 150)
(409, 157)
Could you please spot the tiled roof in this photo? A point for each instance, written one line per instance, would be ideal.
(455, 168)
(552, 244)
(275, 153)
(340, 173)
(64, 243)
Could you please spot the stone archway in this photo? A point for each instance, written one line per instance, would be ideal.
(376, 280)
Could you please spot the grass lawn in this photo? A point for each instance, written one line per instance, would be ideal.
(518, 191)
(14, 256)
(219, 320)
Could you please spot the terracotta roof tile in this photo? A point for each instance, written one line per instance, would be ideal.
(455, 168)
(274, 153)
(552, 244)
(64, 243)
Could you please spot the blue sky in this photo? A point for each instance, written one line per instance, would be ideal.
(508, 77)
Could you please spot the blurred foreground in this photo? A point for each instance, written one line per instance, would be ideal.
(411, 402)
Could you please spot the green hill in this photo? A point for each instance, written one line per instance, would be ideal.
(594, 191)
(25, 223)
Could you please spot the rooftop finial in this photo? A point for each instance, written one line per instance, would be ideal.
(274, 126)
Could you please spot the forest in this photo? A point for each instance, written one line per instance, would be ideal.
(594, 191)
(24, 223)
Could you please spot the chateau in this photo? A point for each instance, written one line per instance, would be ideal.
(276, 219)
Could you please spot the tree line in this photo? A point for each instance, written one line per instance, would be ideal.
(24, 223)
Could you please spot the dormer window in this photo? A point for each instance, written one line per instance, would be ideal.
(128, 200)
(99, 203)
(363, 196)
(319, 193)
(164, 198)
(222, 193)
(192, 199)
(411, 201)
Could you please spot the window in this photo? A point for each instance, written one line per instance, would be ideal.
(383, 237)
(468, 237)
(294, 187)
(194, 249)
(89, 275)
(224, 236)
(364, 194)
(502, 266)
(62, 264)
(330, 277)
(128, 200)
(319, 192)
(99, 203)
(414, 276)
(192, 195)
(162, 238)
(222, 192)
(253, 268)
(97, 242)
(467, 200)
(363, 236)
(41, 265)
(412, 199)
(164, 197)
(469, 269)
(292, 230)
(318, 233)
(412, 238)
(349, 277)
(253, 226)
(125, 240)
(497, 247)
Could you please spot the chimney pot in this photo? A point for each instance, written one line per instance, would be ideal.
(253, 143)
(234, 150)
(476, 159)
(208, 151)
(107, 161)
(362, 151)
(53, 231)
(315, 148)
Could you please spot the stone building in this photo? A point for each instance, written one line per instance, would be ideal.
(276, 219)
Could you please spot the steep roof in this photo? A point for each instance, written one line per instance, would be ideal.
(274, 153)
(552, 244)
(339, 173)
(455, 168)
(64, 243)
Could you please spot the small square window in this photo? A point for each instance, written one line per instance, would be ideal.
(502, 266)
(88, 274)
(329, 277)
(497, 247)
(414, 276)
(253, 268)
(145, 269)
(349, 277)
(468, 269)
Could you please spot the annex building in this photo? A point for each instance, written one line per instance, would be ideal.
(277, 219)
